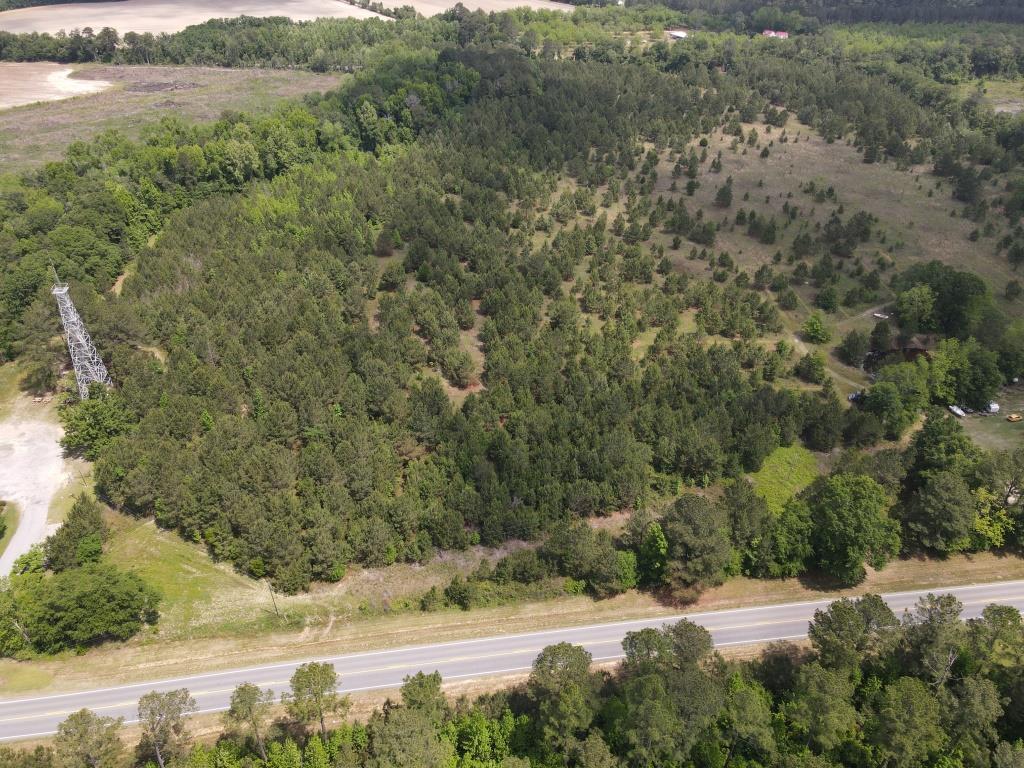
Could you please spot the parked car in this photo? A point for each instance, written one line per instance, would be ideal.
(1014, 417)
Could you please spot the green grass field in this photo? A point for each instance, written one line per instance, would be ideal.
(994, 432)
(1001, 95)
(184, 575)
(143, 95)
(9, 514)
(205, 599)
(785, 472)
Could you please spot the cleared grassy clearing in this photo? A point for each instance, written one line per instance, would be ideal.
(916, 226)
(205, 599)
(785, 472)
(38, 133)
(1001, 95)
(993, 431)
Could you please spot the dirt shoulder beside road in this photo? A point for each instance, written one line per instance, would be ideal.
(154, 659)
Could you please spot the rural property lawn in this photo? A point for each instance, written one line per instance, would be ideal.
(993, 431)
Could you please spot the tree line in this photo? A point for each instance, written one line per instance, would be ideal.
(319, 277)
(873, 689)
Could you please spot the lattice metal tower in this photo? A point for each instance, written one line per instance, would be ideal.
(89, 368)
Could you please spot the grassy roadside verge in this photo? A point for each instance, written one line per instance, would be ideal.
(154, 659)
(10, 517)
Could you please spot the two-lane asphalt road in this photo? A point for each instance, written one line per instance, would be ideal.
(461, 660)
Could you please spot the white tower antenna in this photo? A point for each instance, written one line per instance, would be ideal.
(89, 368)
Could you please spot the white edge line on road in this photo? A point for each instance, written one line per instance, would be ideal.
(490, 638)
(386, 686)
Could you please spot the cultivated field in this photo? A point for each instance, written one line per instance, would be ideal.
(166, 15)
(27, 83)
(169, 16)
(140, 96)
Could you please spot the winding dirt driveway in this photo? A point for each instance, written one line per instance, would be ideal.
(32, 470)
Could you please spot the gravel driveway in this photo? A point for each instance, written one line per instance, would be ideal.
(32, 470)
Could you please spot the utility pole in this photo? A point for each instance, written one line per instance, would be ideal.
(89, 367)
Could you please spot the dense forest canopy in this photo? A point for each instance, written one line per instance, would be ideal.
(404, 316)
(789, 13)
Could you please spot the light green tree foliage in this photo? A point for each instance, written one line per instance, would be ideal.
(915, 308)
(908, 729)
(285, 755)
(90, 425)
(815, 330)
(849, 632)
(422, 693)
(314, 695)
(250, 710)
(405, 738)
(823, 707)
(932, 638)
(747, 720)
(315, 754)
(653, 555)
(162, 719)
(87, 740)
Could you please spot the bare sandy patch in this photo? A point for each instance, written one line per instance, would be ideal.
(32, 471)
(28, 83)
(158, 16)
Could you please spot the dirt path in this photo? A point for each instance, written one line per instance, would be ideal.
(32, 471)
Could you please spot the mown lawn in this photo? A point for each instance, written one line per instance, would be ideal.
(994, 432)
(785, 472)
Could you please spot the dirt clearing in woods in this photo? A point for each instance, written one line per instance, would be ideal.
(32, 470)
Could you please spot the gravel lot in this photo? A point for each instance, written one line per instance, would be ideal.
(32, 470)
